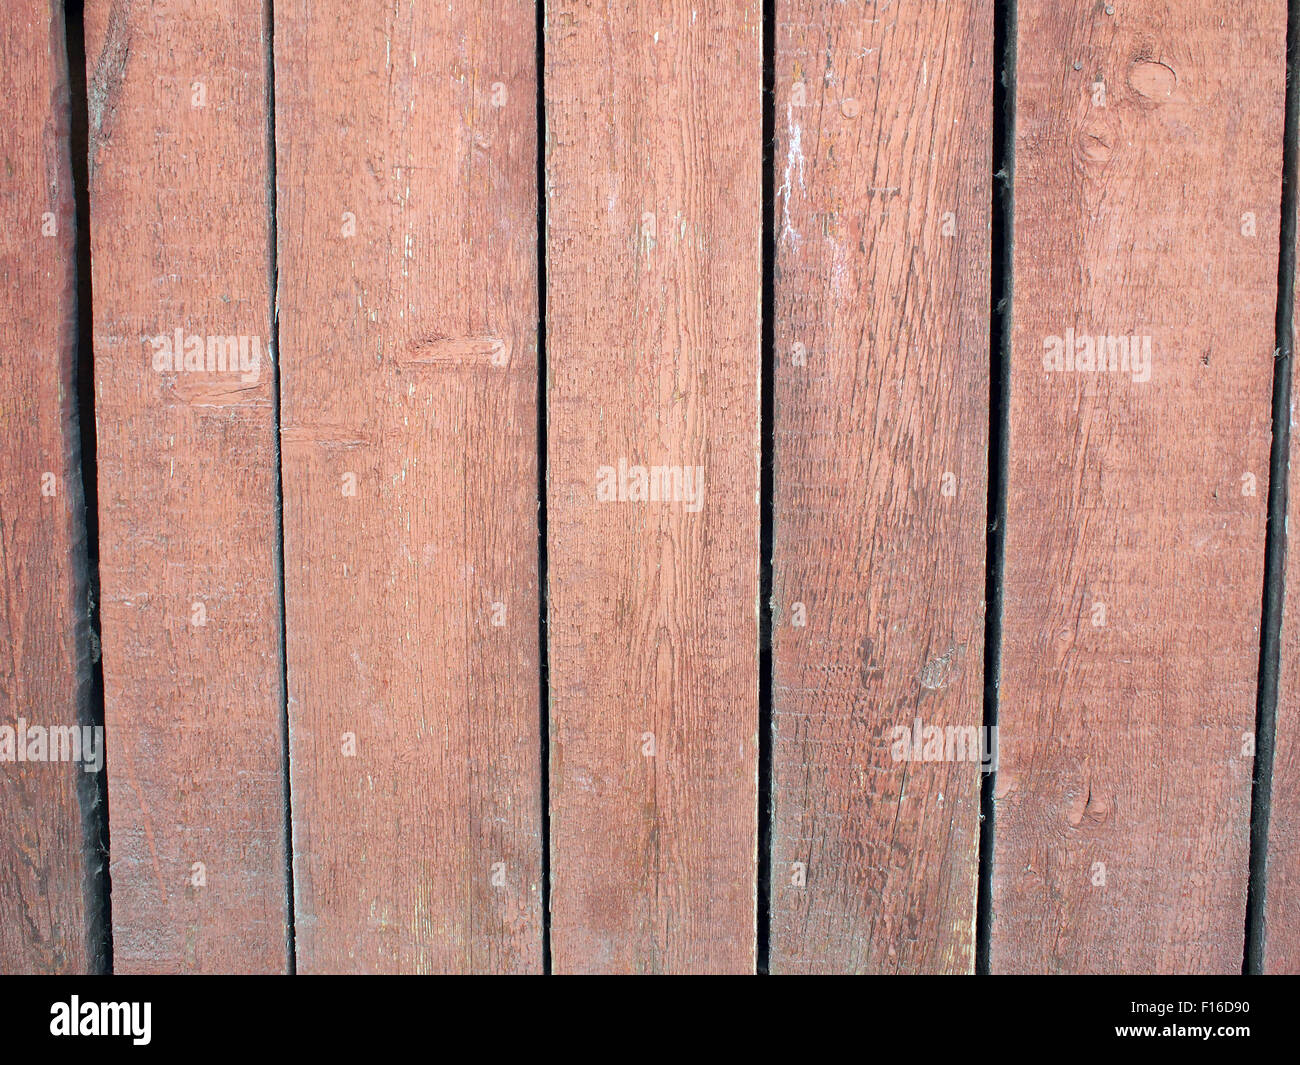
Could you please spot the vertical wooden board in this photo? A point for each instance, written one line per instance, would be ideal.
(190, 614)
(882, 204)
(1147, 176)
(1282, 870)
(653, 160)
(407, 208)
(44, 666)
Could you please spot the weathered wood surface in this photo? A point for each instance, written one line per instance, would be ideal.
(392, 158)
(44, 653)
(882, 171)
(187, 482)
(1147, 177)
(407, 220)
(653, 169)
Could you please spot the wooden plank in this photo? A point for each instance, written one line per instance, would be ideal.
(882, 200)
(1147, 176)
(1281, 941)
(191, 618)
(407, 192)
(653, 117)
(44, 658)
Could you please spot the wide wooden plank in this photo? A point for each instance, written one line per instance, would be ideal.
(882, 173)
(187, 472)
(407, 210)
(653, 161)
(44, 656)
(1281, 938)
(1148, 143)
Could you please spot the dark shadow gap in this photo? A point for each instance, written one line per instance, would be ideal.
(273, 319)
(766, 504)
(92, 789)
(543, 646)
(1000, 266)
(1275, 544)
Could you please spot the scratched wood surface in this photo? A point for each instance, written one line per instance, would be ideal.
(653, 169)
(44, 657)
(397, 823)
(1282, 865)
(407, 209)
(187, 483)
(883, 147)
(1147, 174)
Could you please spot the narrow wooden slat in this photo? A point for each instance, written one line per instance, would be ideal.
(407, 221)
(44, 662)
(653, 118)
(191, 617)
(1282, 871)
(882, 172)
(1147, 177)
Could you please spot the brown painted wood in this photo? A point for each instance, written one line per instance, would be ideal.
(44, 652)
(882, 203)
(191, 618)
(1282, 871)
(1121, 737)
(653, 160)
(407, 192)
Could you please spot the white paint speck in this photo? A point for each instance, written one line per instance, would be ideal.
(793, 161)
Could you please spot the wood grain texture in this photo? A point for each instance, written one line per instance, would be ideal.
(44, 659)
(1136, 504)
(882, 172)
(191, 618)
(407, 193)
(653, 159)
(1282, 871)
